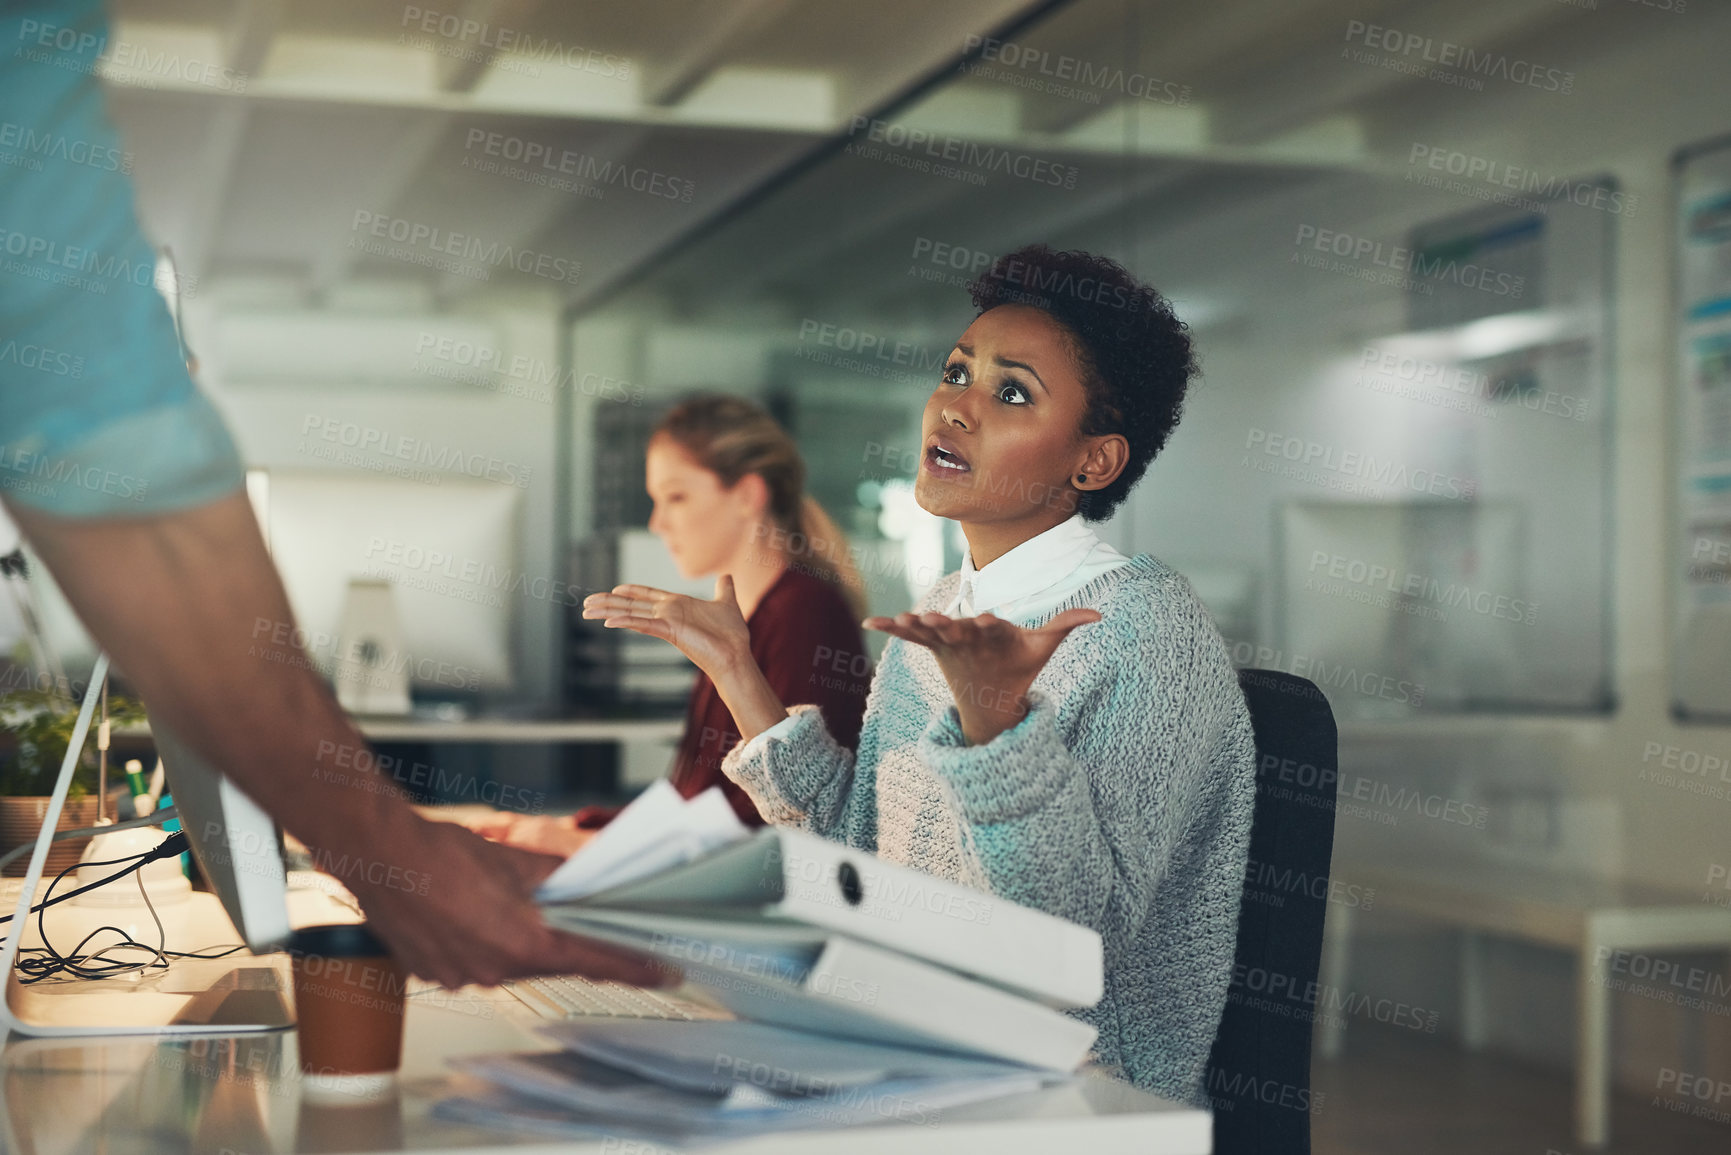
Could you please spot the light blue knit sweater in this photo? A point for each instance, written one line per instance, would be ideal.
(1121, 802)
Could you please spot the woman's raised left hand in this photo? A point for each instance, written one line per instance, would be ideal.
(989, 663)
(711, 633)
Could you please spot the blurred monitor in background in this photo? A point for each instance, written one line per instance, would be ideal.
(395, 581)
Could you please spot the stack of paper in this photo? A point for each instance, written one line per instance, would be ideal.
(658, 830)
(674, 1081)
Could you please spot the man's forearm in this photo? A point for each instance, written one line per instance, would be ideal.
(191, 610)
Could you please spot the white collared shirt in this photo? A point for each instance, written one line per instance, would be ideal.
(1035, 577)
(1028, 582)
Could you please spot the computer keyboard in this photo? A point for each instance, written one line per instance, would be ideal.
(571, 996)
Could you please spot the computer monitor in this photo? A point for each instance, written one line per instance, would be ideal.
(448, 553)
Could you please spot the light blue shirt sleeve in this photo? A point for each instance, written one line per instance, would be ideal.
(98, 417)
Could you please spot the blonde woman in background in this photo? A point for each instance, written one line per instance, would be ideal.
(728, 486)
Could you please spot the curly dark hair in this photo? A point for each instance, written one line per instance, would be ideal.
(1136, 357)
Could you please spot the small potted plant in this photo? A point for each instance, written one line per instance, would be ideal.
(40, 723)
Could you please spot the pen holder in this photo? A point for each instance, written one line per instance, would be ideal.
(349, 996)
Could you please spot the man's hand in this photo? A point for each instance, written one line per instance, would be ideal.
(988, 662)
(543, 833)
(476, 922)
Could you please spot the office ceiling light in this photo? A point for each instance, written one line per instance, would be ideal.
(1485, 337)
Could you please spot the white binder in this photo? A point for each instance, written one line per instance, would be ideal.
(791, 876)
(805, 977)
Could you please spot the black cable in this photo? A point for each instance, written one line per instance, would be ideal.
(173, 846)
(83, 966)
(48, 967)
(94, 966)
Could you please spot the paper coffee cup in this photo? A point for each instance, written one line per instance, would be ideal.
(349, 996)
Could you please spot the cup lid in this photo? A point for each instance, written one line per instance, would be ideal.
(340, 940)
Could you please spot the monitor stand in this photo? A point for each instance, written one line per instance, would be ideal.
(237, 995)
(372, 672)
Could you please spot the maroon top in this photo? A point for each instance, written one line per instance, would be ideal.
(808, 644)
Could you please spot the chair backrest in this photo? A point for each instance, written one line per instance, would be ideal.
(1259, 1068)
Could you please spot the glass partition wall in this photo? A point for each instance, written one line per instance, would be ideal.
(1392, 476)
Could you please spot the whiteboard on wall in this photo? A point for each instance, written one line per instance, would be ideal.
(1701, 668)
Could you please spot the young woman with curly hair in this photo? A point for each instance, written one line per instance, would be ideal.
(1056, 724)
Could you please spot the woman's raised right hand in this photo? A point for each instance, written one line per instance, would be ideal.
(711, 633)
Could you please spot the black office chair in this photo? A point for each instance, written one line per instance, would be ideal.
(1259, 1068)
